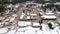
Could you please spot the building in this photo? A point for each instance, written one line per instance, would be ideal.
(48, 17)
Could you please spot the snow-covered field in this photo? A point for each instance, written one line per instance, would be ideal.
(31, 30)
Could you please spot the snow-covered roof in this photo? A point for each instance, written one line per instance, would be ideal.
(28, 23)
(11, 19)
(16, 6)
(50, 13)
(28, 17)
(34, 14)
(36, 24)
(20, 23)
(49, 17)
(24, 23)
(21, 17)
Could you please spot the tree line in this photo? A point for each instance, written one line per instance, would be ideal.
(13, 1)
(2, 8)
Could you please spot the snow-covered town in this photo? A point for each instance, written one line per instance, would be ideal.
(30, 18)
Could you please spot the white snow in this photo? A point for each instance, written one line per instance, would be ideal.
(20, 23)
(24, 23)
(11, 32)
(3, 30)
(50, 13)
(22, 15)
(28, 17)
(34, 14)
(49, 17)
(32, 30)
(45, 27)
(39, 32)
(36, 24)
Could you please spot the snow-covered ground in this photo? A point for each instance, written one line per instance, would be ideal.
(32, 30)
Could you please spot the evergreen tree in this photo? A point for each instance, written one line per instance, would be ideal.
(2, 8)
